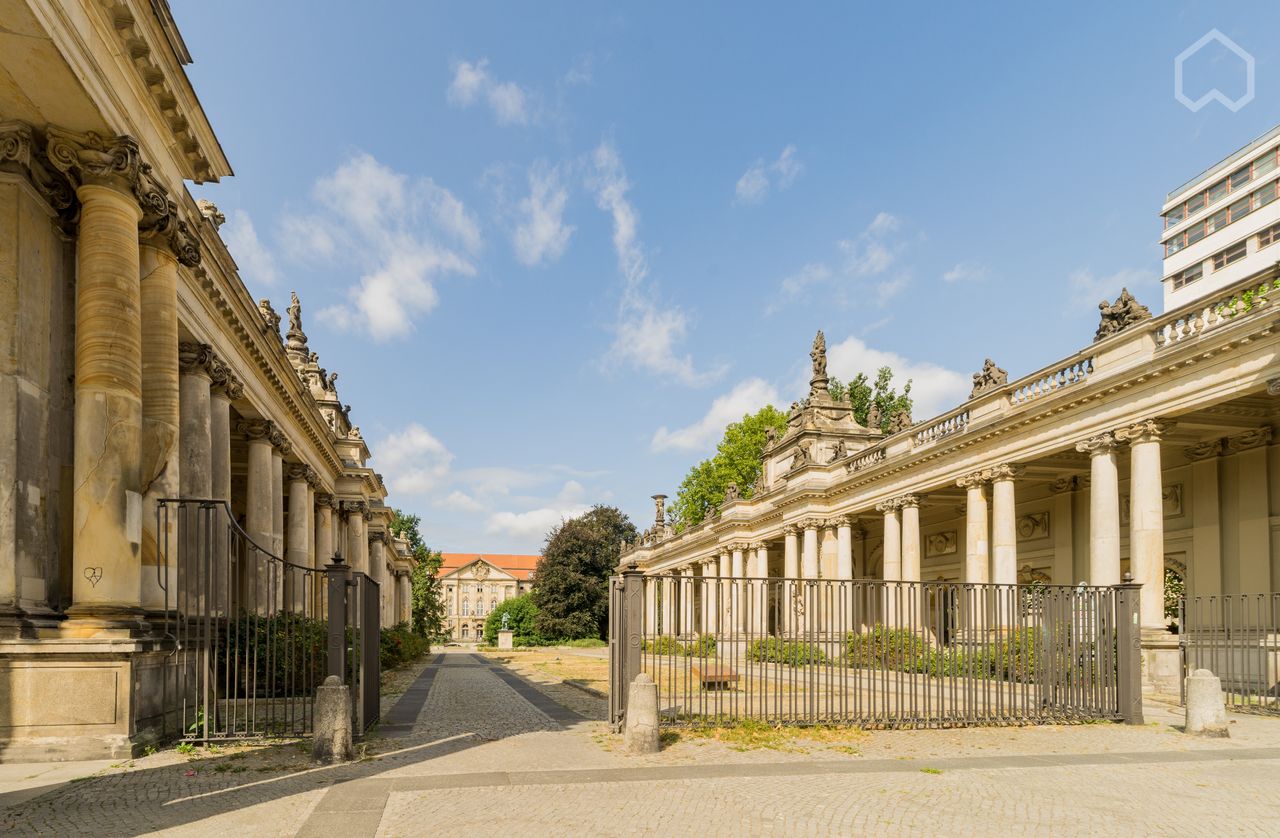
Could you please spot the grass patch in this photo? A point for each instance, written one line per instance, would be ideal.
(752, 735)
(930, 770)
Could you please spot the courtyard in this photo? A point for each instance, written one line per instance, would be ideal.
(496, 744)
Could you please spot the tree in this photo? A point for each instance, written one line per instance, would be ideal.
(522, 621)
(861, 395)
(571, 583)
(737, 460)
(425, 592)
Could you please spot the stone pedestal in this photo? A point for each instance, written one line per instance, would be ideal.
(1161, 661)
(506, 639)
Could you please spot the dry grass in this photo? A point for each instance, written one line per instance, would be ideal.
(750, 735)
(579, 670)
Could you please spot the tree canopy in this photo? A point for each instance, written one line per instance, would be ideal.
(571, 583)
(737, 460)
(862, 394)
(523, 616)
(425, 591)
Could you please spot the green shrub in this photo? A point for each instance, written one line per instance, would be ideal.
(703, 647)
(788, 652)
(664, 645)
(523, 612)
(400, 645)
(889, 648)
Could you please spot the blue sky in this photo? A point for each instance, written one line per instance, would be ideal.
(553, 248)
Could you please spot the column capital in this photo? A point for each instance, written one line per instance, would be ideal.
(354, 506)
(790, 529)
(973, 480)
(18, 150)
(1096, 446)
(91, 159)
(379, 536)
(256, 429)
(195, 358)
(890, 506)
(225, 381)
(756, 545)
(279, 440)
(302, 473)
(1148, 430)
(1004, 471)
(908, 500)
(811, 523)
(737, 546)
(844, 520)
(324, 499)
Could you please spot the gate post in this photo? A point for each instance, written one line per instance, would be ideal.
(336, 582)
(1129, 650)
(633, 612)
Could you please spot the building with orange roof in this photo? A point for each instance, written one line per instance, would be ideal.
(474, 584)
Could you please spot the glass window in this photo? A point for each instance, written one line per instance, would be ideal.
(1269, 235)
(1217, 221)
(465, 632)
(1190, 275)
(1241, 208)
(1174, 244)
(1174, 216)
(1195, 203)
(1264, 196)
(1240, 178)
(1195, 233)
(1264, 164)
(1229, 256)
(1218, 191)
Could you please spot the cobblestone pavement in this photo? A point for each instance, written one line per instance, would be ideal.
(474, 748)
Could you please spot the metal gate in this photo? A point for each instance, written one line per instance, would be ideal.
(251, 631)
(1237, 638)
(875, 653)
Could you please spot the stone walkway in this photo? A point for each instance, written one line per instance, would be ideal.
(475, 748)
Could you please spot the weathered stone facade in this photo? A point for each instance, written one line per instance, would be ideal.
(136, 367)
(474, 584)
(1149, 451)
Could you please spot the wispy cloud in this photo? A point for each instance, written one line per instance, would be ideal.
(473, 82)
(402, 234)
(965, 272)
(1088, 289)
(255, 261)
(746, 397)
(537, 522)
(541, 235)
(647, 332)
(871, 263)
(754, 185)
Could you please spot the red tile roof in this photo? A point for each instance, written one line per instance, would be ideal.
(521, 567)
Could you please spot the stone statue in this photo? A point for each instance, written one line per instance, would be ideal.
(506, 622)
(1120, 315)
(331, 383)
(297, 338)
(770, 437)
(818, 385)
(840, 451)
(900, 421)
(874, 421)
(991, 378)
(731, 492)
(269, 316)
(210, 211)
(802, 457)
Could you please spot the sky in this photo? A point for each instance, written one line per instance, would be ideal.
(553, 249)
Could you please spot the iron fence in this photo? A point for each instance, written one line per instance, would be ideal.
(875, 653)
(1237, 638)
(250, 630)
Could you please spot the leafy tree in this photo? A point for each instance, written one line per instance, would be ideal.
(861, 394)
(737, 460)
(522, 622)
(425, 591)
(571, 583)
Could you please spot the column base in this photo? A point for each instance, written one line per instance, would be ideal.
(108, 621)
(1161, 662)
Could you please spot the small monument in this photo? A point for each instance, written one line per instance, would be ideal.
(506, 637)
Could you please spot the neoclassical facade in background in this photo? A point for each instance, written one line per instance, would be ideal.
(474, 584)
(135, 366)
(1150, 449)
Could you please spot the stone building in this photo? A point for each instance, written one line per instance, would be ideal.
(136, 366)
(474, 584)
(1149, 450)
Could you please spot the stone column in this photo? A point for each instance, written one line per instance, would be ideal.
(258, 523)
(844, 548)
(158, 281)
(892, 561)
(406, 598)
(1146, 517)
(324, 529)
(686, 600)
(709, 606)
(975, 527)
(1004, 525)
(737, 586)
(809, 558)
(297, 554)
(377, 542)
(724, 594)
(107, 482)
(1104, 510)
(226, 389)
(757, 605)
(910, 519)
(277, 502)
(790, 572)
(195, 466)
(355, 533)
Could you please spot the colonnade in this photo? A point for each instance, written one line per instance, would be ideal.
(724, 604)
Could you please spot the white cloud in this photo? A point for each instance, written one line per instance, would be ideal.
(646, 333)
(254, 260)
(747, 397)
(541, 234)
(965, 272)
(414, 461)
(934, 388)
(472, 82)
(760, 177)
(461, 502)
(871, 265)
(1087, 290)
(402, 234)
(499, 480)
(536, 523)
(873, 251)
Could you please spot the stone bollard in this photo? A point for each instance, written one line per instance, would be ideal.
(641, 735)
(1206, 708)
(332, 740)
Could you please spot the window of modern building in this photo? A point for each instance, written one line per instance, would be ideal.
(1229, 256)
(1223, 217)
(1188, 276)
(1269, 236)
(1239, 179)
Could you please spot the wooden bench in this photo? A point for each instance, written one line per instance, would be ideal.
(715, 677)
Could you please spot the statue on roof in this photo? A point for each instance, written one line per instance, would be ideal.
(269, 316)
(818, 384)
(297, 337)
(1120, 315)
(874, 421)
(992, 377)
